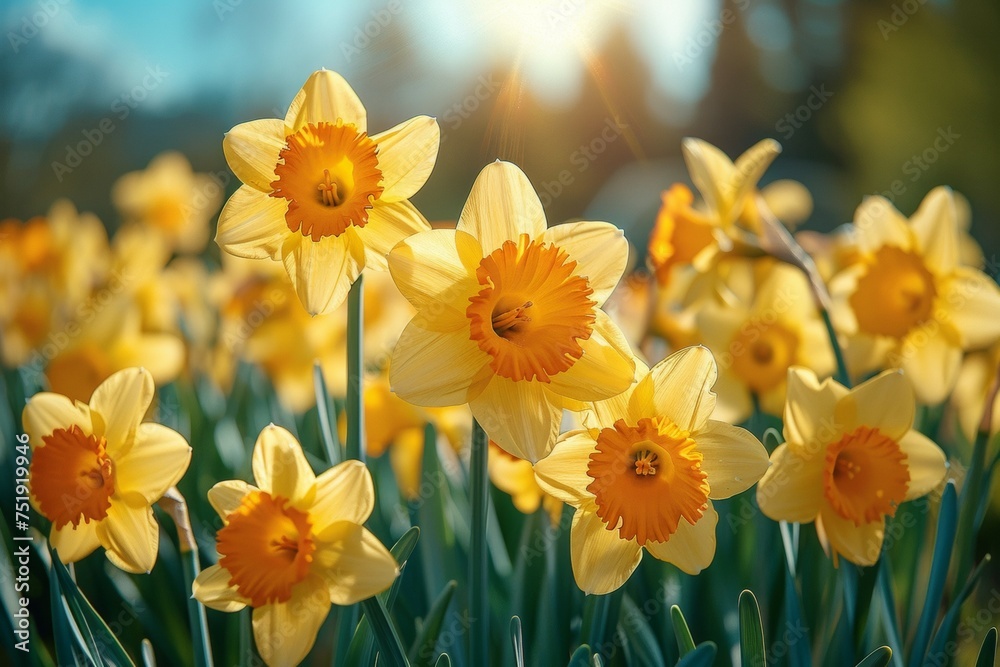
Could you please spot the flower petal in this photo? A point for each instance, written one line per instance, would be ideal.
(121, 401)
(733, 458)
(353, 563)
(973, 301)
(680, 388)
(343, 493)
(280, 467)
(252, 225)
(130, 534)
(501, 207)
(563, 473)
(326, 97)
(602, 560)
(46, 411)
(859, 544)
(935, 227)
(388, 224)
(809, 411)
(606, 368)
(931, 358)
(212, 589)
(734, 403)
(599, 249)
(406, 156)
(75, 543)
(161, 355)
(711, 171)
(252, 150)
(884, 402)
(323, 271)
(878, 223)
(435, 369)
(284, 632)
(227, 496)
(925, 461)
(436, 272)
(692, 547)
(523, 418)
(792, 488)
(156, 462)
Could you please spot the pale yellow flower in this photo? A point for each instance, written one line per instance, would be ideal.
(95, 470)
(975, 381)
(516, 478)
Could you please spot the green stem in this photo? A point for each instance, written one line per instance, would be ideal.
(479, 570)
(390, 648)
(356, 371)
(971, 491)
(843, 376)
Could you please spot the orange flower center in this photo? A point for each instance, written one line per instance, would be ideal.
(680, 232)
(167, 213)
(330, 176)
(533, 311)
(762, 354)
(72, 477)
(267, 547)
(865, 476)
(646, 477)
(895, 295)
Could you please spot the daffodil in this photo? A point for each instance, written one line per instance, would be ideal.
(972, 391)
(908, 302)
(292, 545)
(322, 195)
(96, 469)
(645, 472)
(516, 478)
(167, 199)
(758, 331)
(850, 458)
(508, 314)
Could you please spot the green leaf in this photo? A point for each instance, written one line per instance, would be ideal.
(880, 657)
(423, 645)
(703, 655)
(479, 603)
(327, 417)
(751, 633)
(641, 640)
(517, 641)
(443, 661)
(148, 658)
(69, 643)
(890, 623)
(685, 642)
(946, 630)
(390, 649)
(988, 651)
(356, 370)
(580, 657)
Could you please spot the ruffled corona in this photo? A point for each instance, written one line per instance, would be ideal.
(267, 547)
(72, 477)
(895, 295)
(532, 312)
(765, 351)
(865, 476)
(330, 176)
(646, 478)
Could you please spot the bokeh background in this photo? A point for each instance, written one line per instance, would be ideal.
(590, 97)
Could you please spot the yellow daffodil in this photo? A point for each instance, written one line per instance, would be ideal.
(644, 476)
(508, 314)
(908, 302)
(849, 459)
(292, 545)
(95, 469)
(757, 332)
(516, 478)
(972, 390)
(320, 194)
(167, 199)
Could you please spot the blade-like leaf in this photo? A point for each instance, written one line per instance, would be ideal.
(685, 642)
(423, 645)
(751, 633)
(703, 655)
(880, 657)
(944, 541)
(517, 641)
(988, 651)
(580, 657)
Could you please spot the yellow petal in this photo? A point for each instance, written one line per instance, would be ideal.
(284, 632)
(809, 411)
(750, 167)
(343, 493)
(610, 410)
(789, 200)
(792, 488)
(733, 402)
(156, 462)
(972, 305)
(406, 156)
(121, 401)
(931, 359)
(691, 548)
(884, 402)
(606, 368)
(252, 151)
(323, 271)
(925, 461)
(599, 249)
(859, 544)
(878, 223)
(935, 227)
(161, 355)
(212, 589)
(354, 564)
(711, 171)
(130, 534)
(680, 388)
(75, 543)
(522, 417)
(501, 207)
(227, 496)
(602, 561)
(325, 97)
(563, 473)
(252, 225)
(434, 369)
(733, 458)
(388, 224)
(280, 467)
(45, 412)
